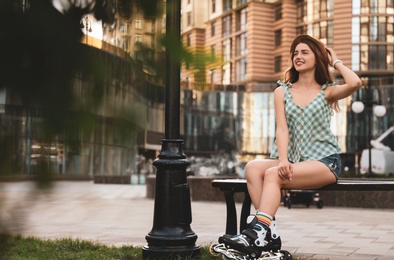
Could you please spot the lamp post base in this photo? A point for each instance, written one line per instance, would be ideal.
(171, 236)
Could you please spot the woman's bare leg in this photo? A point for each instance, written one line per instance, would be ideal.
(255, 171)
(306, 175)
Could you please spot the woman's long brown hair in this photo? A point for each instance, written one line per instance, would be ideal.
(322, 73)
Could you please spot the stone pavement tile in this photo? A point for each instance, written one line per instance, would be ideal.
(121, 215)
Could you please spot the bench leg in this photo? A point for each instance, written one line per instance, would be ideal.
(231, 223)
(245, 212)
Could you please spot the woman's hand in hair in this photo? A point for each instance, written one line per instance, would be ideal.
(331, 54)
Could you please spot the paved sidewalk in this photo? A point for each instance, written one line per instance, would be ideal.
(121, 215)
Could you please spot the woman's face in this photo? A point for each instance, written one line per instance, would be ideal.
(303, 58)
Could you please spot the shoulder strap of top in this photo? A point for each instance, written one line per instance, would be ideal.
(286, 86)
(328, 85)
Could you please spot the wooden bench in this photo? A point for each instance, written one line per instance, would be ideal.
(230, 186)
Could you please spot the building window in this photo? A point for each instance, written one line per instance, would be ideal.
(227, 5)
(213, 28)
(189, 18)
(316, 19)
(309, 10)
(323, 30)
(212, 73)
(241, 69)
(226, 74)
(373, 37)
(278, 12)
(227, 50)
(213, 6)
(137, 55)
(188, 39)
(213, 51)
(226, 25)
(241, 2)
(241, 45)
(138, 38)
(278, 38)
(277, 64)
(138, 23)
(242, 19)
(150, 26)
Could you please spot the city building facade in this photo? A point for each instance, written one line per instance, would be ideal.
(251, 40)
(239, 50)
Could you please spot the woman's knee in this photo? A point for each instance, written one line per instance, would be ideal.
(253, 169)
(271, 175)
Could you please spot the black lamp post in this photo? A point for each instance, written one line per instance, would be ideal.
(373, 107)
(171, 236)
(87, 26)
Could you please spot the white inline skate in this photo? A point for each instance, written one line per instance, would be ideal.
(251, 244)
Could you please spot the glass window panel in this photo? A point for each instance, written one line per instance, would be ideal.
(226, 25)
(316, 7)
(323, 30)
(300, 13)
(373, 59)
(226, 74)
(381, 57)
(330, 31)
(364, 57)
(356, 6)
(382, 6)
(373, 4)
(390, 32)
(309, 12)
(390, 57)
(373, 28)
(330, 8)
(227, 5)
(244, 48)
(278, 38)
(382, 29)
(356, 30)
(244, 19)
(390, 3)
(355, 57)
(365, 6)
(309, 29)
(316, 30)
(277, 63)
(278, 11)
(227, 50)
(305, 12)
(323, 8)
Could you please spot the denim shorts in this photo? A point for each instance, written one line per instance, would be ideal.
(333, 162)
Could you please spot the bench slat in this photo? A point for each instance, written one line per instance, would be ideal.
(231, 186)
(239, 185)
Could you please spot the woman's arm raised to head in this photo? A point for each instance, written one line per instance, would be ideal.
(352, 81)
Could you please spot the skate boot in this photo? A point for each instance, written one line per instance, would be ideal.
(254, 239)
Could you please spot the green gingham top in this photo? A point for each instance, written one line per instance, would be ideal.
(310, 136)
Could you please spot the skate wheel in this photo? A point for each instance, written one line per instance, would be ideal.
(286, 255)
(212, 250)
